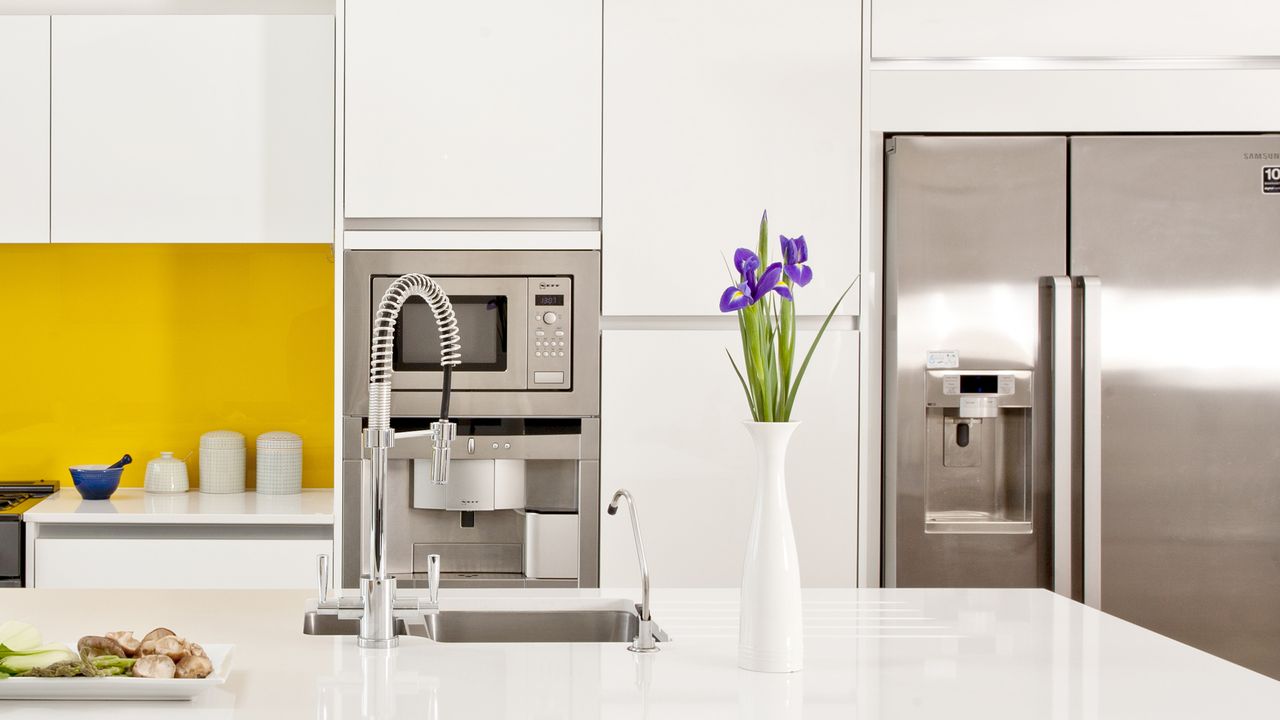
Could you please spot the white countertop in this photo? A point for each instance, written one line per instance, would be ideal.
(133, 505)
(935, 654)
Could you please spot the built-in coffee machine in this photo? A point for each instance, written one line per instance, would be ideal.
(522, 502)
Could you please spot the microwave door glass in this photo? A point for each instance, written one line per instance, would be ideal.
(482, 321)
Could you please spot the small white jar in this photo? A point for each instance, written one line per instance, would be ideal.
(222, 461)
(279, 463)
(166, 474)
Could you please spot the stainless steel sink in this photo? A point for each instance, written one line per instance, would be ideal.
(485, 626)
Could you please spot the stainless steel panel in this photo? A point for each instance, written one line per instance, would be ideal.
(1089, 449)
(971, 224)
(582, 400)
(11, 550)
(1188, 249)
(477, 557)
(1058, 343)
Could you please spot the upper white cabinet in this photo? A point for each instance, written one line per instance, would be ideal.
(24, 129)
(1080, 28)
(192, 128)
(673, 436)
(477, 109)
(713, 112)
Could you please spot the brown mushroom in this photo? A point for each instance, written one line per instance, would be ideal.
(127, 641)
(195, 649)
(173, 646)
(92, 646)
(157, 634)
(155, 666)
(194, 666)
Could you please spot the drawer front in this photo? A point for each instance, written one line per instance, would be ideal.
(177, 563)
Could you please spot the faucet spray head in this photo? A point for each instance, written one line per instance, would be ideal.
(443, 433)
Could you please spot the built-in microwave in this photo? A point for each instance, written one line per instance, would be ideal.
(529, 324)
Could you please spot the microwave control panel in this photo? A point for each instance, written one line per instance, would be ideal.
(550, 333)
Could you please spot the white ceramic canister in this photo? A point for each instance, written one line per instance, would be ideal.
(279, 463)
(222, 462)
(166, 474)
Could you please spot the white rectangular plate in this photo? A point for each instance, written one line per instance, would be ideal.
(119, 688)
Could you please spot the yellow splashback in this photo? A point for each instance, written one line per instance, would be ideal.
(113, 349)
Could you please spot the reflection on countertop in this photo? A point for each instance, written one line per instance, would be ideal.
(133, 505)
(869, 654)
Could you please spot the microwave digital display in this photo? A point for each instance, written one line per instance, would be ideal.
(541, 300)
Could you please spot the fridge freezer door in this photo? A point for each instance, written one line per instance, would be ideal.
(971, 225)
(1184, 232)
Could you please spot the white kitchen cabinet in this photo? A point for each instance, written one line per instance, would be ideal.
(481, 109)
(192, 128)
(713, 112)
(671, 433)
(157, 557)
(1081, 28)
(24, 129)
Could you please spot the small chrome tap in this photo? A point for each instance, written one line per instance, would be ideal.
(648, 633)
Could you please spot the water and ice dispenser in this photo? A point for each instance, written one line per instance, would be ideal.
(979, 460)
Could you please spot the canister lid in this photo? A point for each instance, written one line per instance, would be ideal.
(222, 439)
(279, 440)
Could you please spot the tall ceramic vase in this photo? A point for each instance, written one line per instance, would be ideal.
(770, 629)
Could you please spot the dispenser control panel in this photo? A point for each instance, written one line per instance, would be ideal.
(975, 384)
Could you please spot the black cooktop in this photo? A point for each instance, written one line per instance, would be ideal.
(18, 496)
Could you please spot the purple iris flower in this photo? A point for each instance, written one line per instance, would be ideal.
(752, 288)
(795, 251)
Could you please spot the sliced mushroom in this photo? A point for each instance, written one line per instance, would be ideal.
(155, 666)
(92, 646)
(173, 646)
(127, 641)
(195, 649)
(193, 666)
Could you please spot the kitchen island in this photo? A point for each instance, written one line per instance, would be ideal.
(869, 654)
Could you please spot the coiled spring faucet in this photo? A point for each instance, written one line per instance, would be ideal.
(377, 588)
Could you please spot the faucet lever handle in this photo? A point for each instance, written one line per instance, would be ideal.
(433, 578)
(322, 577)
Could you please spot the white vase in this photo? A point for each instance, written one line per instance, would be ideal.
(770, 627)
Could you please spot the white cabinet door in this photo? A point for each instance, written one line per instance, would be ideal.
(24, 129)
(1080, 28)
(672, 434)
(713, 112)
(485, 108)
(193, 128)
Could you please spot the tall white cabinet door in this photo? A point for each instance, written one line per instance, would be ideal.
(24, 129)
(714, 111)
(671, 433)
(193, 128)
(484, 108)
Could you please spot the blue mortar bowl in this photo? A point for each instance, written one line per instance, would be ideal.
(96, 482)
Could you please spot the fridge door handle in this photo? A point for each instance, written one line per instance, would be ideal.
(1060, 368)
(1090, 304)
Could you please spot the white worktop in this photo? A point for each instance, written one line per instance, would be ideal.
(932, 654)
(135, 506)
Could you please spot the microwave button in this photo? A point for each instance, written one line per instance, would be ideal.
(550, 318)
(546, 377)
(559, 333)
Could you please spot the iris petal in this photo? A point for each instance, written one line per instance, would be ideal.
(799, 274)
(745, 261)
(771, 277)
(734, 298)
(784, 291)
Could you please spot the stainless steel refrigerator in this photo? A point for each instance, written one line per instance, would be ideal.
(1082, 376)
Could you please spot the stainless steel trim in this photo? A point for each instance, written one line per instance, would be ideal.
(1091, 440)
(1060, 365)
(460, 224)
